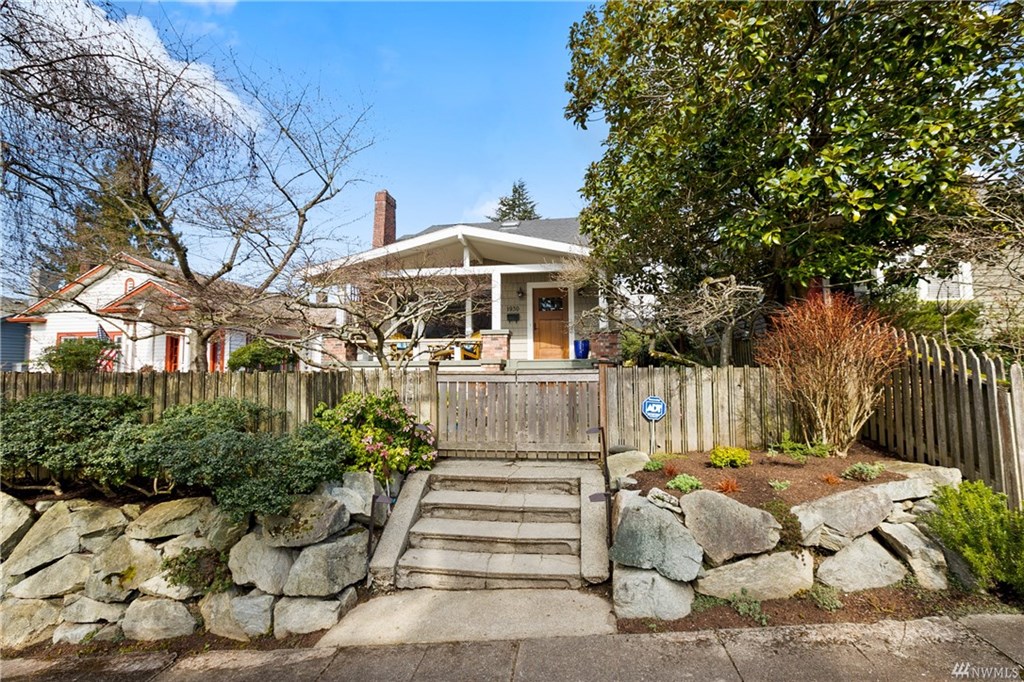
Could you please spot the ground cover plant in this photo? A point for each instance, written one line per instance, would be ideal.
(722, 457)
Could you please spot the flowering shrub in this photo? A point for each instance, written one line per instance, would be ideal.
(382, 433)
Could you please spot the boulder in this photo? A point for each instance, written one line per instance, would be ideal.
(924, 507)
(639, 593)
(835, 521)
(660, 498)
(359, 492)
(15, 520)
(311, 519)
(725, 528)
(66, 575)
(300, 616)
(76, 633)
(626, 463)
(221, 531)
(936, 475)
(24, 622)
(80, 609)
(924, 556)
(51, 537)
(149, 619)
(769, 576)
(254, 613)
(624, 482)
(175, 546)
(620, 501)
(348, 600)
(862, 565)
(907, 489)
(253, 562)
(160, 586)
(651, 537)
(177, 517)
(120, 569)
(132, 511)
(329, 567)
(899, 514)
(219, 617)
(98, 526)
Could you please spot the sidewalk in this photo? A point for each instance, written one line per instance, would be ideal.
(976, 647)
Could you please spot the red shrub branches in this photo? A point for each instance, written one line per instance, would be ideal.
(832, 359)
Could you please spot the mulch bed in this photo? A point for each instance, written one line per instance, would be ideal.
(806, 482)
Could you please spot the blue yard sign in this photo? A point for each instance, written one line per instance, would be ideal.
(654, 408)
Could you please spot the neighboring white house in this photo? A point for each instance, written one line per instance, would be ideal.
(530, 313)
(102, 298)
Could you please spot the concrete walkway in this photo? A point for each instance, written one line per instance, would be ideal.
(976, 647)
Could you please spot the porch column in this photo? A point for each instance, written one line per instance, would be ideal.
(495, 300)
(469, 317)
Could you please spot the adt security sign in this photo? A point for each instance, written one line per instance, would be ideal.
(654, 408)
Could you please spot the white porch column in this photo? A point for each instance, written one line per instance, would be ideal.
(469, 317)
(495, 300)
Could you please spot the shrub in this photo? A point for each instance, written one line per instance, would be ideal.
(382, 433)
(685, 483)
(748, 607)
(203, 570)
(722, 457)
(790, 535)
(975, 521)
(776, 484)
(78, 355)
(824, 597)
(862, 471)
(63, 432)
(654, 465)
(728, 485)
(674, 467)
(259, 354)
(831, 359)
(798, 452)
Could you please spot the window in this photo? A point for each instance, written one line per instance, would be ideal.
(129, 284)
(547, 304)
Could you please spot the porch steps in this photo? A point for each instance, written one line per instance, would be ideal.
(500, 524)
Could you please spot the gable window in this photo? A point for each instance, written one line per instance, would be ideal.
(129, 284)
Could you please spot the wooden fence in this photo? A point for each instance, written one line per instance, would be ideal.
(959, 409)
(707, 406)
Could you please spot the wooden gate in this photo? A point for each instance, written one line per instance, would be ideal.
(522, 415)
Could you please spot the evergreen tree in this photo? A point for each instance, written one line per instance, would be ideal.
(112, 218)
(516, 206)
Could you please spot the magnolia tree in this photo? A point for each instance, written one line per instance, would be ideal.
(831, 358)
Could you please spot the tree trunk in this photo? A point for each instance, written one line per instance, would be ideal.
(725, 346)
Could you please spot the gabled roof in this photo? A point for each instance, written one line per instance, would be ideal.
(123, 303)
(566, 230)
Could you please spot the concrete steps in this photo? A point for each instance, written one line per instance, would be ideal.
(450, 569)
(491, 506)
(503, 484)
(496, 537)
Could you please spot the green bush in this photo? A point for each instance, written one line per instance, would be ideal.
(76, 355)
(382, 434)
(798, 452)
(69, 434)
(862, 471)
(203, 570)
(975, 521)
(260, 355)
(685, 483)
(722, 457)
(824, 597)
(654, 465)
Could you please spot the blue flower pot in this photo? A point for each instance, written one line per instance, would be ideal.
(582, 348)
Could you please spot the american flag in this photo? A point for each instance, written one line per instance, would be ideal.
(109, 357)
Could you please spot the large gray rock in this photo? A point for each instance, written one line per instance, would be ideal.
(51, 537)
(221, 531)
(651, 537)
(98, 526)
(311, 519)
(120, 569)
(24, 622)
(660, 498)
(725, 528)
(149, 619)
(66, 575)
(219, 618)
(936, 475)
(769, 576)
(81, 609)
(359, 491)
(15, 520)
(299, 616)
(834, 522)
(167, 519)
(626, 463)
(329, 567)
(863, 565)
(620, 501)
(640, 593)
(924, 556)
(175, 546)
(76, 633)
(254, 562)
(254, 613)
(907, 489)
(160, 586)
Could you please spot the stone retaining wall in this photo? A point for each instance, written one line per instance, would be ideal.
(667, 549)
(75, 570)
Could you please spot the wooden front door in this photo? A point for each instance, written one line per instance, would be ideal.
(550, 324)
(172, 353)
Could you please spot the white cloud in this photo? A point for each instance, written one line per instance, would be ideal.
(478, 213)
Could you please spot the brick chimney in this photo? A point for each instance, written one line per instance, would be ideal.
(383, 219)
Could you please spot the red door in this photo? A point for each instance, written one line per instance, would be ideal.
(172, 353)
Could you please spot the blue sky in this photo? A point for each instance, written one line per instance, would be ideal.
(465, 97)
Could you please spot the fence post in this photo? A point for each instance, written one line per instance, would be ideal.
(1015, 455)
(433, 392)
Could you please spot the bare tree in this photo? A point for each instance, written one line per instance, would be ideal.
(245, 170)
